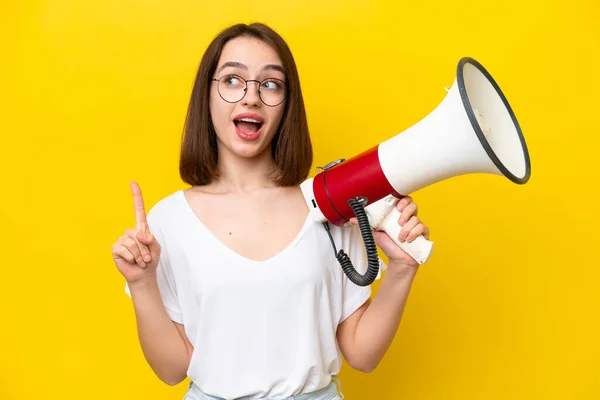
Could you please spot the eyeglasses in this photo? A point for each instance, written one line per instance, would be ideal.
(233, 88)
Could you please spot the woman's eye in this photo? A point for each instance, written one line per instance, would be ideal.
(233, 81)
(271, 85)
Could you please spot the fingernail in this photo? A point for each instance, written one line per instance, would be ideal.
(402, 221)
(147, 258)
(143, 264)
(401, 238)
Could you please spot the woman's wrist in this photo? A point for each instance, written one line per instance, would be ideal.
(146, 283)
(400, 271)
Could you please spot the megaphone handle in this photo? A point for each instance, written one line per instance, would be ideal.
(420, 249)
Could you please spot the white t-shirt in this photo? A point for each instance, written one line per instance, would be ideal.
(259, 328)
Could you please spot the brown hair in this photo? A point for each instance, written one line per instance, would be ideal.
(291, 147)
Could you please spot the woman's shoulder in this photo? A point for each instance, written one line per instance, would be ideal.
(166, 207)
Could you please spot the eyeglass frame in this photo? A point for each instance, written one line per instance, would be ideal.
(285, 95)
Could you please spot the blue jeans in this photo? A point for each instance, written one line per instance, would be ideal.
(329, 392)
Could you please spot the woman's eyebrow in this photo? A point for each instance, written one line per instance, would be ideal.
(235, 64)
(274, 67)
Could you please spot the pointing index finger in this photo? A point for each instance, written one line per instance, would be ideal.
(138, 205)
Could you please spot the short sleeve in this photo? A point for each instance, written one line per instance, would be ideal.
(164, 272)
(354, 296)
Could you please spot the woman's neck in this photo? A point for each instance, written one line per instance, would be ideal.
(242, 175)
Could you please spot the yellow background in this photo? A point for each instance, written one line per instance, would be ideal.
(93, 95)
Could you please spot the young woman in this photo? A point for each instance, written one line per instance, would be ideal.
(233, 284)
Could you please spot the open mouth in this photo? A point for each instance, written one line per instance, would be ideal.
(248, 126)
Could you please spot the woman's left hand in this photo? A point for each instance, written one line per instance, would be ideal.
(412, 227)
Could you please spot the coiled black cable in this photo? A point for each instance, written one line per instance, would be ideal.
(358, 206)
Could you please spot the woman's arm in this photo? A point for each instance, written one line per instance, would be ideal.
(365, 336)
(164, 342)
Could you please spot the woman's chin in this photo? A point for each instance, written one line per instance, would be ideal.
(249, 150)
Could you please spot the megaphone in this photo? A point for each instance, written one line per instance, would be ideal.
(473, 130)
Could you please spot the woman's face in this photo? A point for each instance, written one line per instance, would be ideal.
(246, 127)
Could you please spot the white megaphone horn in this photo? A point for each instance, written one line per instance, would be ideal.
(473, 130)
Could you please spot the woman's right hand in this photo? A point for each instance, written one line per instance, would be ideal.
(137, 252)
